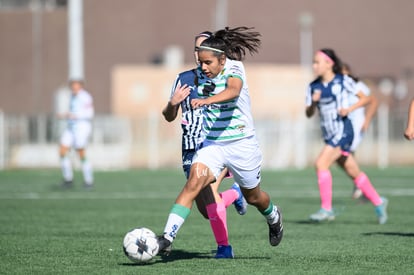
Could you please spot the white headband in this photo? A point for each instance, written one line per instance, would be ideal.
(210, 49)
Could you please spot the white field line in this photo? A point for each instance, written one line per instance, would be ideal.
(163, 195)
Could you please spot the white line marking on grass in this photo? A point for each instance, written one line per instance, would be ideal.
(159, 195)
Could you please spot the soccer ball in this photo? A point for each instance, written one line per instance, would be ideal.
(140, 245)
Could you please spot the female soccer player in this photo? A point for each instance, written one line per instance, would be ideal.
(228, 129)
(360, 117)
(77, 133)
(210, 203)
(330, 94)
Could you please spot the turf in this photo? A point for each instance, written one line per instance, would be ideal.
(47, 230)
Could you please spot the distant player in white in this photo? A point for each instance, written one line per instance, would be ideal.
(77, 133)
(360, 117)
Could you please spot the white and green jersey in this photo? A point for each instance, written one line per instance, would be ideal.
(230, 120)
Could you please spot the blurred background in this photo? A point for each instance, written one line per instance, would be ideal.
(129, 53)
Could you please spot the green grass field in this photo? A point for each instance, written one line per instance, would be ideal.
(47, 230)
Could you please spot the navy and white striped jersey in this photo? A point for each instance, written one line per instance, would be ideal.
(334, 96)
(191, 120)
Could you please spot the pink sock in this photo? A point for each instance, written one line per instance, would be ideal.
(229, 196)
(364, 184)
(325, 188)
(218, 221)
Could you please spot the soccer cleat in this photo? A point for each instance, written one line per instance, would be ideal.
(322, 215)
(357, 193)
(240, 204)
(276, 231)
(381, 211)
(164, 246)
(224, 252)
(88, 185)
(67, 184)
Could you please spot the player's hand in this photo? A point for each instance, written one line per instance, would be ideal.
(409, 133)
(198, 102)
(343, 112)
(316, 96)
(365, 126)
(180, 93)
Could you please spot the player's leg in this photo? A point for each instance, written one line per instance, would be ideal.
(243, 159)
(206, 167)
(363, 183)
(233, 195)
(87, 170)
(217, 215)
(212, 207)
(261, 200)
(357, 138)
(82, 135)
(200, 177)
(66, 142)
(327, 156)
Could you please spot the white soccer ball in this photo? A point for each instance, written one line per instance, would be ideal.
(140, 245)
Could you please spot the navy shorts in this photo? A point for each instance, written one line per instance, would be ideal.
(346, 139)
(187, 161)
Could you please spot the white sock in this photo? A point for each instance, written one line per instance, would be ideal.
(87, 171)
(66, 166)
(273, 217)
(172, 226)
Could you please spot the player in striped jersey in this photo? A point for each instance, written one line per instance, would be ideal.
(230, 139)
(360, 117)
(330, 94)
(210, 203)
(77, 133)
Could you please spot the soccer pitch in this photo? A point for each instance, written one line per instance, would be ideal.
(47, 230)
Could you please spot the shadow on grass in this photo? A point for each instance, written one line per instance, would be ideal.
(399, 234)
(175, 255)
(186, 255)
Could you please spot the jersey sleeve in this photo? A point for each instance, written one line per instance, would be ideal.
(236, 70)
(362, 87)
(175, 84)
(308, 98)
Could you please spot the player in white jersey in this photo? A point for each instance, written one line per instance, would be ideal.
(230, 137)
(409, 130)
(360, 117)
(330, 93)
(77, 133)
(210, 203)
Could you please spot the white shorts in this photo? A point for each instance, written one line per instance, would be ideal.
(77, 136)
(242, 157)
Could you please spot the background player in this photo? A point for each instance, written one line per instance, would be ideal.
(77, 133)
(329, 93)
(360, 117)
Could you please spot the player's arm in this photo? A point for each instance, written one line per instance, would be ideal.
(171, 110)
(409, 131)
(370, 111)
(232, 91)
(363, 101)
(310, 109)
